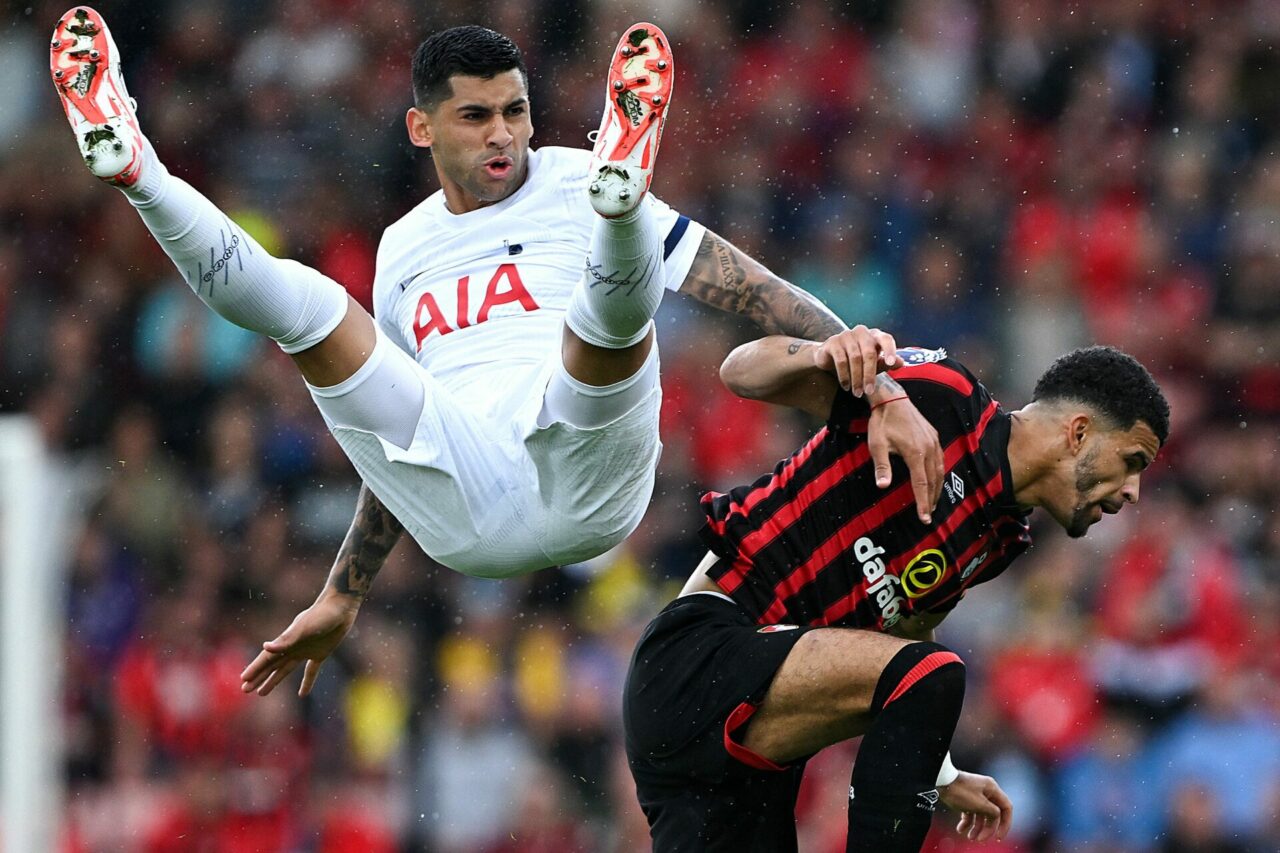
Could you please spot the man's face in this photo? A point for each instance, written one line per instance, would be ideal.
(479, 138)
(1104, 476)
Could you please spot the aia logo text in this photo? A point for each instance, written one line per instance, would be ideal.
(504, 287)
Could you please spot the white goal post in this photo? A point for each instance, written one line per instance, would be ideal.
(32, 560)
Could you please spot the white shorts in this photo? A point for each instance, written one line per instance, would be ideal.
(501, 499)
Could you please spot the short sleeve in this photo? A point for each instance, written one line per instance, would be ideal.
(385, 297)
(681, 237)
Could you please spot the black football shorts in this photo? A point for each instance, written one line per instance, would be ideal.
(699, 672)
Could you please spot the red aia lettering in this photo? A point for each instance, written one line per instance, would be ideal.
(463, 301)
(515, 292)
(435, 319)
(429, 318)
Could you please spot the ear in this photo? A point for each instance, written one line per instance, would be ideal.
(1078, 427)
(419, 124)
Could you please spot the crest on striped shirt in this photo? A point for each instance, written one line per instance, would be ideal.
(912, 356)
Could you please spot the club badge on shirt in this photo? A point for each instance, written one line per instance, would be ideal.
(912, 356)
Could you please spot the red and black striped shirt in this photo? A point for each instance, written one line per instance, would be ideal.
(818, 543)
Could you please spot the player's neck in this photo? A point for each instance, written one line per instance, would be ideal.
(1033, 453)
(458, 201)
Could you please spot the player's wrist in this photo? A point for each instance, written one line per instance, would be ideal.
(332, 595)
(886, 391)
(885, 400)
(813, 350)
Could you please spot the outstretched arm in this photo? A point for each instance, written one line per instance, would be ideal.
(724, 277)
(804, 373)
(373, 533)
(315, 632)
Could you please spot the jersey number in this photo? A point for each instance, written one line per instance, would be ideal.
(428, 317)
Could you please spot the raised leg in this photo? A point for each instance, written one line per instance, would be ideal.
(309, 315)
(609, 324)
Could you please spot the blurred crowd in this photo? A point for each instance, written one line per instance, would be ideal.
(1008, 179)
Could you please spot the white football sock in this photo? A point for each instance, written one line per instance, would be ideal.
(573, 402)
(383, 397)
(293, 305)
(614, 303)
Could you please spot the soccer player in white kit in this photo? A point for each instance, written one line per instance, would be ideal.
(500, 451)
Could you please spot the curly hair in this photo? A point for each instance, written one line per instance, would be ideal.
(471, 50)
(1110, 381)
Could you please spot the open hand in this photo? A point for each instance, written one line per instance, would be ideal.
(310, 638)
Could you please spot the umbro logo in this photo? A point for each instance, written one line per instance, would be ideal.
(928, 800)
(954, 487)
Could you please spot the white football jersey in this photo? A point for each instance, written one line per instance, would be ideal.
(479, 298)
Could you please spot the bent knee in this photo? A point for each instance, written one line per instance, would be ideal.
(924, 671)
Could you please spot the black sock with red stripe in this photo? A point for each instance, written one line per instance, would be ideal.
(892, 793)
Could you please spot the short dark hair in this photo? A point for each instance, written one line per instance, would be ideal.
(1112, 382)
(471, 50)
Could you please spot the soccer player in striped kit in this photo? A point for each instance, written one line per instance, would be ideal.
(810, 620)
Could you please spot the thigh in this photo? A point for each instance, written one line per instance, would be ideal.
(695, 664)
(384, 396)
(821, 694)
(595, 484)
(468, 517)
(467, 495)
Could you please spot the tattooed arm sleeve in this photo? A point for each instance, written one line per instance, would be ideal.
(725, 278)
(374, 532)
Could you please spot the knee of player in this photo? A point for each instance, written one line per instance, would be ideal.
(925, 672)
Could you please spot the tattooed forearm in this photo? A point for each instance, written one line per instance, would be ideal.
(725, 278)
(373, 534)
(717, 277)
